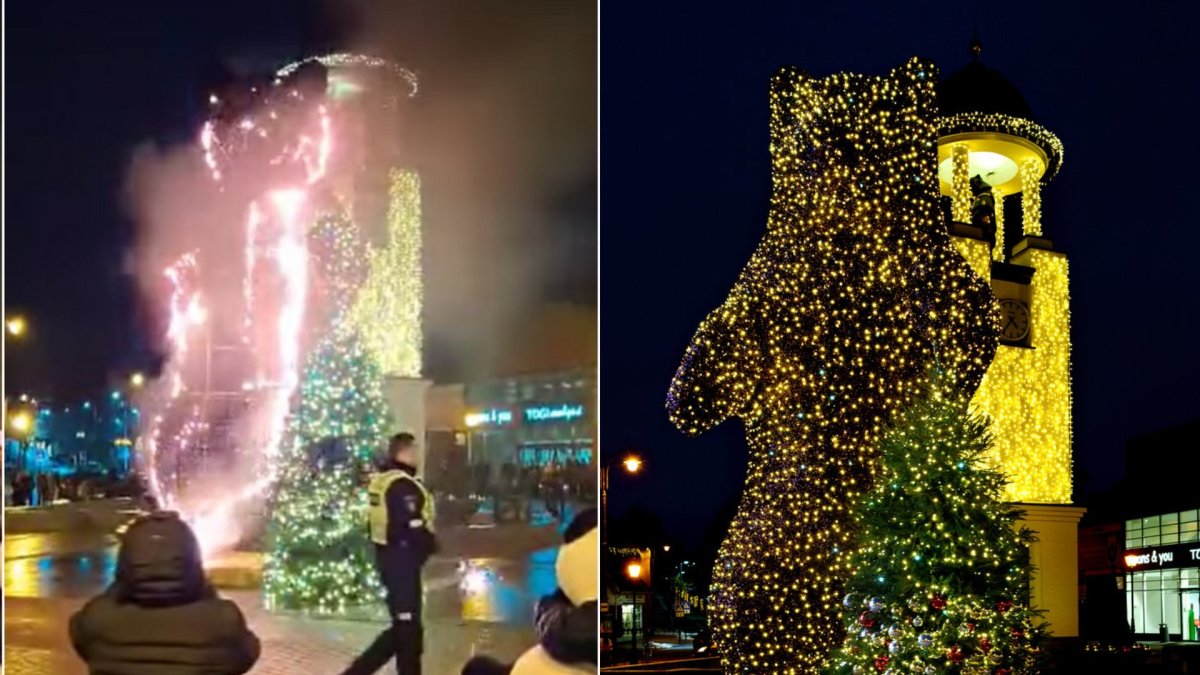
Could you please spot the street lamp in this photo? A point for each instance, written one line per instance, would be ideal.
(21, 422)
(632, 464)
(16, 326)
(634, 570)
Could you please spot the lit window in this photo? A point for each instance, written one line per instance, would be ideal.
(1133, 533)
(1150, 536)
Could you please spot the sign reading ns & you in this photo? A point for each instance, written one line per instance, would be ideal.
(1163, 557)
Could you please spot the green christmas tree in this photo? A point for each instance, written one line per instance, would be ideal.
(940, 573)
(319, 557)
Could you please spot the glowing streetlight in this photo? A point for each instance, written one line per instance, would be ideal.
(634, 570)
(16, 326)
(632, 464)
(21, 422)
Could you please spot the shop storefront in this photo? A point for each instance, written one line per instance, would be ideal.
(628, 597)
(1162, 579)
(545, 420)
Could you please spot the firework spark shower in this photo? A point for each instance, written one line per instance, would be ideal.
(226, 222)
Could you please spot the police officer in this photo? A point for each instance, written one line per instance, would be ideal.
(401, 527)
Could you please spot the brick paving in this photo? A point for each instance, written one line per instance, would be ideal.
(36, 641)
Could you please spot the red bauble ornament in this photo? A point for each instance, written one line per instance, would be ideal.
(938, 602)
(955, 655)
(1003, 606)
(865, 620)
(1003, 671)
(971, 626)
(881, 663)
(1017, 633)
(985, 645)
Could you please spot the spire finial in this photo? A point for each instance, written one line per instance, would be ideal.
(976, 47)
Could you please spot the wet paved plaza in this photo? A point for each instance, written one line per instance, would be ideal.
(488, 610)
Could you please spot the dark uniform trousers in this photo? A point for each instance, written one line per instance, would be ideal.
(404, 639)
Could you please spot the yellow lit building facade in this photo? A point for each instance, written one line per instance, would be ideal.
(987, 134)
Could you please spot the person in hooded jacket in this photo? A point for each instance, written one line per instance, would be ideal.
(160, 616)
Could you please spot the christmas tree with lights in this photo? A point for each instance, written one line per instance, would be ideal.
(940, 568)
(319, 557)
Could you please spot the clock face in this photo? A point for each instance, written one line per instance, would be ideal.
(1014, 320)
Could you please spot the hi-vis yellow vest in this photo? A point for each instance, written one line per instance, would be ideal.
(377, 510)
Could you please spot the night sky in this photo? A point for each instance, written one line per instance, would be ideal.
(687, 179)
(506, 146)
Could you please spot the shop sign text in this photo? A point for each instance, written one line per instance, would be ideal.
(494, 417)
(560, 413)
(1163, 556)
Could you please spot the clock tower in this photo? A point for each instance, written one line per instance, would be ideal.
(993, 160)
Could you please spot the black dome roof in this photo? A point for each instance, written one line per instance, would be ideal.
(980, 89)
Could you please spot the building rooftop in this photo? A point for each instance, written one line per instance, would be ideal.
(980, 89)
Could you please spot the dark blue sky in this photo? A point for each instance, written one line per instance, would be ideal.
(686, 182)
(504, 137)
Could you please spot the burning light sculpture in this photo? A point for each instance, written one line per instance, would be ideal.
(284, 149)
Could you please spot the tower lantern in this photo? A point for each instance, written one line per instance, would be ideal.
(987, 131)
(992, 154)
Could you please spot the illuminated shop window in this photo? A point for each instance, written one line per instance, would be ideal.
(1190, 578)
(1133, 533)
(1189, 529)
(1182, 527)
(631, 617)
(1169, 531)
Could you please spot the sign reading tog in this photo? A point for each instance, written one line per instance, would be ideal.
(561, 413)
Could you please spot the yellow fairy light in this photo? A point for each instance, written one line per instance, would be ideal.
(962, 198)
(998, 249)
(853, 290)
(387, 312)
(977, 254)
(1031, 198)
(1027, 393)
(975, 122)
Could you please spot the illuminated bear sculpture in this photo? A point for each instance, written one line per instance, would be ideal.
(853, 292)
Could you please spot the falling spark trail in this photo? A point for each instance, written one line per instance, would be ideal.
(275, 254)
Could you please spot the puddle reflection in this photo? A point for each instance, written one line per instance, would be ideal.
(77, 575)
(504, 591)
